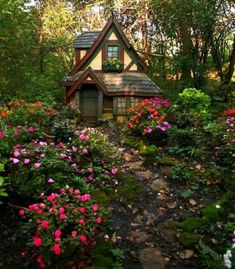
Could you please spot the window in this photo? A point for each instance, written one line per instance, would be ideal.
(121, 104)
(135, 101)
(112, 52)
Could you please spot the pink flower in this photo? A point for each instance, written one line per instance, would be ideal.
(42, 143)
(81, 221)
(63, 217)
(2, 134)
(26, 161)
(33, 207)
(21, 212)
(95, 207)
(37, 165)
(58, 233)
(74, 165)
(56, 248)
(42, 206)
(90, 169)
(37, 241)
(61, 145)
(82, 137)
(83, 210)
(74, 149)
(39, 211)
(71, 190)
(61, 210)
(74, 233)
(114, 170)
(50, 180)
(16, 133)
(45, 224)
(31, 129)
(85, 151)
(83, 239)
(85, 197)
(15, 160)
(99, 220)
(62, 190)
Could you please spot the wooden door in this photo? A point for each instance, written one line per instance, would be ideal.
(89, 104)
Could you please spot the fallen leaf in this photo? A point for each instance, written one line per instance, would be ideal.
(192, 202)
(186, 254)
(114, 237)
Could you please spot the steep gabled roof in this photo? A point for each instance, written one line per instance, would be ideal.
(112, 22)
(83, 76)
(85, 40)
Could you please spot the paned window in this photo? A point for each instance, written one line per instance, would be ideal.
(112, 52)
(134, 101)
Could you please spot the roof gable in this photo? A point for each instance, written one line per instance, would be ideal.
(111, 26)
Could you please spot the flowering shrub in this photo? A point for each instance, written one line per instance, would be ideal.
(43, 167)
(149, 117)
(63, 228)
(19, 112)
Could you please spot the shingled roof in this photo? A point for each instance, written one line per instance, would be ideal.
(85, 40)
(129, 83)
(126, 83)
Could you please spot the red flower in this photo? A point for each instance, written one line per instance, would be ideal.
(21, 212)
(37, 241)
(45, 224)
(99, 220)
(83, 239)
(57, 250)
(83, 210)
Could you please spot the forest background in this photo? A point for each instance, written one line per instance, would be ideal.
(187, 43)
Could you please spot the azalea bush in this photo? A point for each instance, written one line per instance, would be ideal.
(43, 167)
(19, 112)
(11, 136)
(149, 117)
(62, 228)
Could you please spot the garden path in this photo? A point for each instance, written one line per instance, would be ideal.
(143, 227)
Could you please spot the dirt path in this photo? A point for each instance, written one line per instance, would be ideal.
(143, 227)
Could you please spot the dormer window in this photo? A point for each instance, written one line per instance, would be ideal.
(112, 52)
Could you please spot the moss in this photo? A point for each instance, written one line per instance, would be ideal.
(213, 212)
(171, 224)
(213, 175)
(101, 255)
(129, 188)
(191, 224)
(189, 239)
(167, 160)
(150, 151)
(101, 197)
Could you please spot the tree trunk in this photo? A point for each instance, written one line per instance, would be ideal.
(230, 71)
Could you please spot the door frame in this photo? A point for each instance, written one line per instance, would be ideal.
(77, 100)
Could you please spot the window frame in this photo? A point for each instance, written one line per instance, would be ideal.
(118, 51)
(129, 104)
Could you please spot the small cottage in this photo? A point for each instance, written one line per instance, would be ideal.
(109, 75)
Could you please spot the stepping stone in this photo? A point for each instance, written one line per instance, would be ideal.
(159, 184)
(136, 165)
(127, 157)
(152, 258)
(138, 237)
(145, 175)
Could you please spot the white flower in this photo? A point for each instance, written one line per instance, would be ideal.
(227, 261)
(218, 206)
